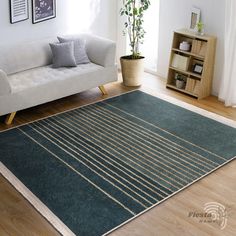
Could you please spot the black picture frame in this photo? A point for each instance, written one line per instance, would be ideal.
(19, 11)
(43, 10)
(198, 68)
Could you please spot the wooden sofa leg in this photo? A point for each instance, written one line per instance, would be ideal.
(10, 118)
(103, 90)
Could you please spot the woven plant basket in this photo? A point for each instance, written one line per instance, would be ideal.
(132, 70)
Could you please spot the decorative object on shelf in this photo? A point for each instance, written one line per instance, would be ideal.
(195, 18)
(197, 65)
(185, 46)
(198, 68)
(43, 10)
(180, 62)
(180, 80)
(132, 66)
(200, 28)
(19, 10)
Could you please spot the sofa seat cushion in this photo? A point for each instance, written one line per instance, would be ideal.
(43, 75)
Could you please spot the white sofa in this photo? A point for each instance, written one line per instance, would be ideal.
(27, 78)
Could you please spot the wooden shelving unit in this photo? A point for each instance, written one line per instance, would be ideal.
(202, 52)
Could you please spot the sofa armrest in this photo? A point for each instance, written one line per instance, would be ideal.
(101, 51)
(5, 87)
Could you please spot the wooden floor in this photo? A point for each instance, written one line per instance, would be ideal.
(18, 217)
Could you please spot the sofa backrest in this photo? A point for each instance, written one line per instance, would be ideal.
(25, 56)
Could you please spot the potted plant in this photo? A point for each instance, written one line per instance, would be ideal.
(180, 81)
(132, 66)
(200, 28)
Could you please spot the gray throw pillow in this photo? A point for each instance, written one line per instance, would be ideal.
(63, 54)
(80, 53)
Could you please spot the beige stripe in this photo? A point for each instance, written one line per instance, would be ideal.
(186, 177)
(80, 143)
(166, 131)
(102, 154)
(118, 129)
(105, 126)
(74, 157)
(114, 150)
(155, 137)
(113, 126)
(77, 172)
(125, 147)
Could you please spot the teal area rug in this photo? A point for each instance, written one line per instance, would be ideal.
(100, 165)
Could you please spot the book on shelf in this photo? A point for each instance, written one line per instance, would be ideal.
(196, 88)
(203, 49)
(199, 47)
(192, 86)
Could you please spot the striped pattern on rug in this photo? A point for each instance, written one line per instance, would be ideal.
(133, 162)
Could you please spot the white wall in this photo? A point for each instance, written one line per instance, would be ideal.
(121, 39)
(175, 14)
(96, 16)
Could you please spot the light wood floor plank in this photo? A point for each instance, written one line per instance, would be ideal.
(18, 217)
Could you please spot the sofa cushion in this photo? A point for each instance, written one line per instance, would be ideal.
(100, 51)
(23, 56)
(63, 54)
(80, 53)
(47, 75)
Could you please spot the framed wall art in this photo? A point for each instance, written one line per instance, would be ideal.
(19, 10)
(198, 68)
(195, 18)
(43, 10)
